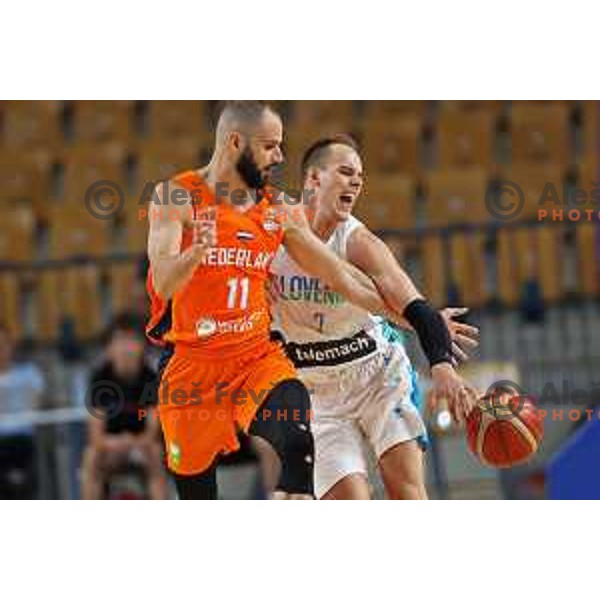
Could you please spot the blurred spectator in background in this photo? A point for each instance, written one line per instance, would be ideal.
(21, 386)
(118, 434)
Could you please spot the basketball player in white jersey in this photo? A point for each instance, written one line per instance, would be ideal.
(360, 378)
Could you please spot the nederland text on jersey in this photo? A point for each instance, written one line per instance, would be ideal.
(237, 257)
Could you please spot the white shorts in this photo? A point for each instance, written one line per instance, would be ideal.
(376, 408)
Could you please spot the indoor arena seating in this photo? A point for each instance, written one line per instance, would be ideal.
(429, 168)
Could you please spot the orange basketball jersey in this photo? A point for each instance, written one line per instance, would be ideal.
(223, 309)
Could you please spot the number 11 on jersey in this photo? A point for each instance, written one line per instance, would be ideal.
(233, 284)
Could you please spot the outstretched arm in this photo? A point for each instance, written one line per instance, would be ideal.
(374, 258)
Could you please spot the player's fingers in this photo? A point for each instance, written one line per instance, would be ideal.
(464, 402)
(471, 398)
(464, 340)
(454, 408)
(468, 330)
(455, 311)
(279, 495)
(431, 401)
(458, 352)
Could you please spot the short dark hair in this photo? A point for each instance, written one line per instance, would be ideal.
(316, 154)
(242, 114)
(123, 322)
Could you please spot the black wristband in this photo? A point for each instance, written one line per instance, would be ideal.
(431, 330)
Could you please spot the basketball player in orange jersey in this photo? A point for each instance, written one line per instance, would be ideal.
(221, 372)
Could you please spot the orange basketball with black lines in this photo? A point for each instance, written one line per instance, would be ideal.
(504, 430)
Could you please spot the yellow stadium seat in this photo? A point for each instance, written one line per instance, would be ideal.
(136, 227)
(10, 302)
(171, 119)
(388, 203)
(536, 256)
(434, 269)
(587, 252)
(124, 283)
(537, 259)
(391, 147)
(24, 175)
(332, 114)
(162, 160)
(82, 300)
(458, 268)
(467, 267)
(548, 261)
(538, 185)
(478, 292)
(466, 139)
(17, 231)
(99, 121)
(392, 110)
(542, 104)
(509, 281)
(49, 306)
(525, 254)
(591, 131)
(588, 188)
(456, 196)
(72, 292)
(540, 133)
(491, 107)
(76, 233)
(86, 165)
(32, 124)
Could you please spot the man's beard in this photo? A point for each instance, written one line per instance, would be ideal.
(249, 172)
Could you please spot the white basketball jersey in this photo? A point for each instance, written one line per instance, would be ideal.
(321, 329)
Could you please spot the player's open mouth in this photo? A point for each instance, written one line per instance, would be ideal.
(347, 199)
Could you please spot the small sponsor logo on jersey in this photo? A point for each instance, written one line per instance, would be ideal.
(331, 353)
(244, 236)
(271, 223)
(205, 327)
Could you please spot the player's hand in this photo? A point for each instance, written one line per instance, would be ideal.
(204, 238)
(448, 385)
(465, 338)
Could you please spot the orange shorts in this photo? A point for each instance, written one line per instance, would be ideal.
(204, 403)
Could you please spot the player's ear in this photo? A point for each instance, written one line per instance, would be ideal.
(234, 141)
(314, 177)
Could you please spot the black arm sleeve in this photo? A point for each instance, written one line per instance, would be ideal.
(431, 330)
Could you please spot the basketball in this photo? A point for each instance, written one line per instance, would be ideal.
(504, 430)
